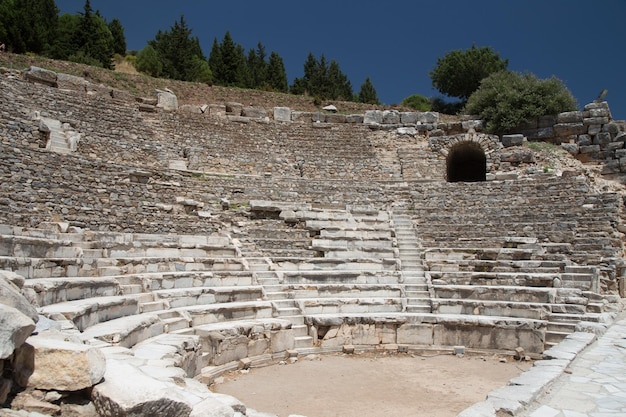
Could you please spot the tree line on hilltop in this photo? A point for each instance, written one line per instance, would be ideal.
(477, 77)
(34, 26)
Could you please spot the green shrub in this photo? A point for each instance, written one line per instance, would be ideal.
(506, 100)
(417, 102)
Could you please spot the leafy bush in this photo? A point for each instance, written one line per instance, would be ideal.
(507, 100)
(417, 102)
(148, 62)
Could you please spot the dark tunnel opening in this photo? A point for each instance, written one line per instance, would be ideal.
(466, 163)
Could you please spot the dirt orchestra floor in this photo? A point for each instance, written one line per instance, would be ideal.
(371, 384)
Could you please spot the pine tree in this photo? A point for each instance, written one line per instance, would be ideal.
(276, 75)
(28, 25)
(229, 69)
(367, 94)
(257, 67)
(323, 80)
(178, 51)
(93, 39)
(119, 40)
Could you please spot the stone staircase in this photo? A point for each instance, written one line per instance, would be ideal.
(61, 139)
(413, 276)
(283, 303)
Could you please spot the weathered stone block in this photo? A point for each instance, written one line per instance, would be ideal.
(595, 120)
(584, 140)
(408, 118)
(253, 112)
(566, 129)
(415, 334)
(570, 117)
(572, 148)
(282, 114)
(65, 366)
(15, 327)
(373, 117)
(589, 149)
(512, 140)
(335, 118)
(354, 118)
(126, 391)
(72, 82)
(41, 76)
(167, 100)
(391, 117)
(602, 138)
(428, 117)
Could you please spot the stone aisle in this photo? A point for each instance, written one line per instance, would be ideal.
(594, 384)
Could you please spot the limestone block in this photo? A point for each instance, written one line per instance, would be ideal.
(217, 110)
(126, 391)
(595, 120)
(584, 140)
(428, 117)
(167, 100)
(71, 82)
(409, 131)
(373, 117)
(590, 149)
(408, 117)
(566, 129)
(335, 118)
(512, 140)
(281, 340)
(391, 117)
(570, 117)
(253, 112)
(572, 148)
(28, 402)
(15, 328)
(65, 366)
(41, 76)
(476, 125)
(282, 114)
(415, 334)
(354, 118)
(602, 138)
(11, 296)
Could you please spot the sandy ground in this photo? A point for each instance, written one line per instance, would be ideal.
(371, 385)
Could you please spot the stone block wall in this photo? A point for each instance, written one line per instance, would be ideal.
(589, 135)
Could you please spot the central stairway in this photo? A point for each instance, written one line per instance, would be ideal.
(412, 267)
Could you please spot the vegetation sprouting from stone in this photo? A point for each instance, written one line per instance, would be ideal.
(506, 100)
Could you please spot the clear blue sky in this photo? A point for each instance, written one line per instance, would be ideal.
(397, 43)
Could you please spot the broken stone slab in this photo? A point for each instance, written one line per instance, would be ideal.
(15, 327)
(41, 76)
(127, 391)
(11, 296)
(65, 366)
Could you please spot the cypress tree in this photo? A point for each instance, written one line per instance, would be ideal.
(276, 75)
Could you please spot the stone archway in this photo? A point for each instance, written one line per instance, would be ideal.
(466, 162)
(468, 157)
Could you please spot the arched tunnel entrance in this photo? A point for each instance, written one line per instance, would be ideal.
(466, 162)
